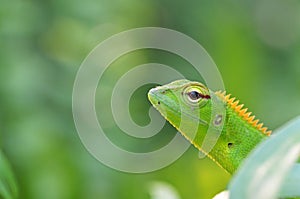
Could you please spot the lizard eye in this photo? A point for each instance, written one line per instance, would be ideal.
(196, 95)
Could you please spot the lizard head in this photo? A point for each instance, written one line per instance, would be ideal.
(185, 104)
(200, 115)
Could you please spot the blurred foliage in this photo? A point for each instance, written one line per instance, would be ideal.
(8, 185)
(256, 45)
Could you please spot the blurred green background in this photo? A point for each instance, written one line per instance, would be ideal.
(255, 44)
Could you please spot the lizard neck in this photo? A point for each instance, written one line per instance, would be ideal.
(237, 140)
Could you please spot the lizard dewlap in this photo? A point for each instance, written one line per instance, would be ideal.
(189, 107)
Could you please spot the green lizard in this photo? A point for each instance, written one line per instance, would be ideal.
(192, 100)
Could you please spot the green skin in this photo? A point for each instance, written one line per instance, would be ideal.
(187, 105)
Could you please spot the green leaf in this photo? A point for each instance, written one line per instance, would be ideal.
(8, 185)
(270, 171)
(291, 184)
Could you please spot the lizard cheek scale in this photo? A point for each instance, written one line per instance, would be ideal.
(218, 120)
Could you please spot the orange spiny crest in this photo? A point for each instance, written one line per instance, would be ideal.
(268, 133)
(255, 122)
(243, 113)
(230, 101)
(250, 119)
(235, 104)
(247, 115)
(227, 97)
(239, 107)
(259, 126)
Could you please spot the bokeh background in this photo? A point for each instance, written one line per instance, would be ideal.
(255, 44)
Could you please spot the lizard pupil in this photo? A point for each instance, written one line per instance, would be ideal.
(194, 95)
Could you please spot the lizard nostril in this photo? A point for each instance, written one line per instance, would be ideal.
(230, 145)
(158, 102)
